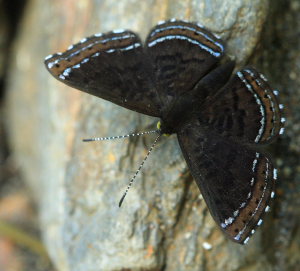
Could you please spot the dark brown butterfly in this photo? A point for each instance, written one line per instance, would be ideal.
(221, 120)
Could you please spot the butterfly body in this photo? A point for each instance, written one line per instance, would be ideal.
(221, 119)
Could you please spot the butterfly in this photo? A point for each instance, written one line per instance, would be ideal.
(222, 119)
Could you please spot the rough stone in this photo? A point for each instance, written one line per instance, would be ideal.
(163, 223)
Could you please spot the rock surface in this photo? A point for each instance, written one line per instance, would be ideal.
(164, 223)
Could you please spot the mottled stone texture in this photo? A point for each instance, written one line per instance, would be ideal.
(164, 223)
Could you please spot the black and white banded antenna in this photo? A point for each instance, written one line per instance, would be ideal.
(158, 131)
(138, 170)
(120, 137)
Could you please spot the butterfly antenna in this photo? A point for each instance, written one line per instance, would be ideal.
(138, 170)
(120, 137)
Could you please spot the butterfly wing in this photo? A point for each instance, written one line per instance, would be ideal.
(246, 108)
(111, 66)
(235, 180)
(181, 54)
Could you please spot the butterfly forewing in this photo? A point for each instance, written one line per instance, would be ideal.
(111, 66)
(235, 181)
(181, 54)
(246, 108)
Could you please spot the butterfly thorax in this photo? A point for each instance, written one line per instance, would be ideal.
(178, 113)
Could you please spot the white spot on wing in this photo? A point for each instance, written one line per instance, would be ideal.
(250, 72)
(85, 60)
(110, 51)
(200, 25)
(66, 72)
(275, 174)
(263, 77)
(238, 237)
(229, 220)
(48, 57)
(246, 240)
(185, 21)
(161, 22)
(243, 205)
(118, 31)
(255, 161)
(272, 194)
(130, 47)
(216, 35)
(50, 65)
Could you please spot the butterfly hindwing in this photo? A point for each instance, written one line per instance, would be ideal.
(246, 108)
(236, 181)
(181, 54)
(111, 66)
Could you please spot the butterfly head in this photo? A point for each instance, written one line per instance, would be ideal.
(161, 127)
